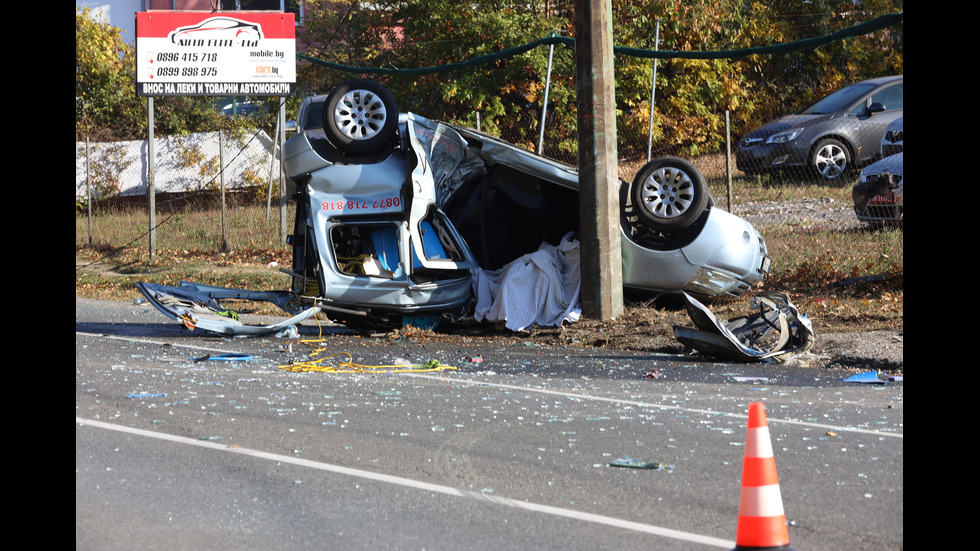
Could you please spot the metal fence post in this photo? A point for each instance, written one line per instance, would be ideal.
(282, 173)
(653, 89)
(221, 178)
(88, 186)
(544, 105)
(728, 157)
(150, 176)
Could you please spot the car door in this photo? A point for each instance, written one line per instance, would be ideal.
(435, 151)
(875, 120)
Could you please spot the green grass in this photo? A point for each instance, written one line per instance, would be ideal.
(190, 228)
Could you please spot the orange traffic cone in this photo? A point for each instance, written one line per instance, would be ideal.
(761, 521)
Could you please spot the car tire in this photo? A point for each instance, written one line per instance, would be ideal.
(830, 159)
(669, 194)
(360, 117)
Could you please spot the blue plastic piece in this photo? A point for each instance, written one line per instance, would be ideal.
(869, 377)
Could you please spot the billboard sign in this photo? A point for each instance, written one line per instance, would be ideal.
(231, 53)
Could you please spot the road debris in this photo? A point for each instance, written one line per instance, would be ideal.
(868, 378)
(777, 332)
(199, 307)
(631, 463)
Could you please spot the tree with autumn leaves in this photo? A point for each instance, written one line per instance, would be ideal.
(400, 42)
(692, 95)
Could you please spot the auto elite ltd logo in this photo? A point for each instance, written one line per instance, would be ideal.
(218, 32)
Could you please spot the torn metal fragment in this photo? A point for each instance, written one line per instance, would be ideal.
(776, 332)
(628, 462)
(199, 307)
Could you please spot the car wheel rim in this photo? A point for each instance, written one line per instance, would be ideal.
(667, 193)
(360, 114)
(830, 161)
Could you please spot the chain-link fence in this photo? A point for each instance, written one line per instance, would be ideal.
(214, 190)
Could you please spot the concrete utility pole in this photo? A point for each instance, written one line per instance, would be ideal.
(602, 265)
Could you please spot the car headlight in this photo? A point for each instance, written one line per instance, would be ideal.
(785, 136)
(712, 282)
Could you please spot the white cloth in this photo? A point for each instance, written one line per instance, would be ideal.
(542, 287)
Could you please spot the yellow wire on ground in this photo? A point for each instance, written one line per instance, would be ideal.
(348, 365)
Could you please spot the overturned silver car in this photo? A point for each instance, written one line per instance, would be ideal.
(395, 212)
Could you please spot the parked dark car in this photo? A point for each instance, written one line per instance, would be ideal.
(894, 139)
(841, 131)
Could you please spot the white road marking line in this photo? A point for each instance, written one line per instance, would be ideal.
(425, 486)
(567, 394)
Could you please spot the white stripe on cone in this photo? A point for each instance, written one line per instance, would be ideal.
(757, 442)
(761, 501)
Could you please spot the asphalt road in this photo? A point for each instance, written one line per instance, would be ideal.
(511, 452)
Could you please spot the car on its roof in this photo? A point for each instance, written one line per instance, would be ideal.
(395, 212)
(840, 131)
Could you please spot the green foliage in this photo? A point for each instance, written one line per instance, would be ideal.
(691, 95)
(104, 86)
(106, 105)
(789, 83)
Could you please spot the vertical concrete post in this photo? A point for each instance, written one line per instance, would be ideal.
(599, 209)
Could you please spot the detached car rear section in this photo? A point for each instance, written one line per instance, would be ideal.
(395, 211)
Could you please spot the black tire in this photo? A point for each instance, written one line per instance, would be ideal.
(669, 194)
(830, 158)
(360, 117)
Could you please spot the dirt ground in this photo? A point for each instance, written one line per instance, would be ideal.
(643, 328)
(652, 330)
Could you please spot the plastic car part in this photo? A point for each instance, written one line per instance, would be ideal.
(360, 117)
(199, 307)
(669, 194)
(776, 333)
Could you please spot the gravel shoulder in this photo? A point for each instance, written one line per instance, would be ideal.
(651, 330)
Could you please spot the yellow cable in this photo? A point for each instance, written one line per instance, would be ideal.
(348, 365)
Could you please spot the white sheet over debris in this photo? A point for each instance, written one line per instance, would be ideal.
(540, 288)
